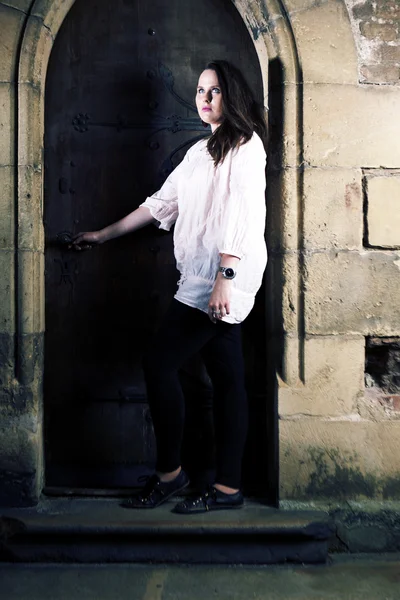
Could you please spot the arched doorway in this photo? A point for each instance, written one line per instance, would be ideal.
(119, 116)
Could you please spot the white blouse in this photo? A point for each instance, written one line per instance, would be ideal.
(216, 210)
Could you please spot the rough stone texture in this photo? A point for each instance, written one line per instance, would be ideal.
(379, 74)
(333, 370)
(7, 316)
(339, 459)
(289, 272)
(338, 131)
(390, 54)
(18, 452)
(332, 208)
(20, 462)
(53, 12)
(282, 210)
(7, 150)
(285, 151)
(351, 292)
(22, 5)
(7, 221)
(325, 42)
(7, 358)
(21, 435)
(35, 52)
(376, 29)
(30, 209)
(31, 361)
(31, 273)
(386, 32)
(347, 578)
(18, 489)
(356, 522)
(383, 216)
(30, 121)
(11, 24)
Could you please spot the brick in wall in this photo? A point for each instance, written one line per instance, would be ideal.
(376, 27)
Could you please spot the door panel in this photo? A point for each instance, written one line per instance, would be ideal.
(119, 116)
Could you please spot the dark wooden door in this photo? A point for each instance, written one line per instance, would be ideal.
(119, 116)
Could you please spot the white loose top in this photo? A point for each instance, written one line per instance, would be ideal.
(216, 210)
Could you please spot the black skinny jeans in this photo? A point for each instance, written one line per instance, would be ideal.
(184, 332)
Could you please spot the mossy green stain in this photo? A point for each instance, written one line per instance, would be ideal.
(336, 477)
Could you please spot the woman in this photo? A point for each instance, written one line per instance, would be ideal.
(216, 199)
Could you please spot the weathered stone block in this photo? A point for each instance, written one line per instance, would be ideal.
(351, 292)
(18, 489)
(338, 130)
(18, 447)
(6, 124)
(387, 9)
(53, 12)
(365, 537)
(22, 5)
(30, 209)
(7, 221)
(11, 22)
(289, 282)
(379, 31)
(390, 53)
(31, 291)
(21, 462)
(30, 350)
(333, 208)
(380, 73)
(334, 369)
(383, 215)
(325, 42)
(293, 6)
(285, 150)
(282, 210)
(363, 10)
(339, 459)
(31, 125)
(35, 52)
(7, 359)
(7, 291)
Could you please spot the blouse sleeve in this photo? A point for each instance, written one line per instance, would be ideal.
(163, 205)
(244, 218)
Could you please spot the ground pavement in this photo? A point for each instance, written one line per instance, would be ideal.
(345, 577)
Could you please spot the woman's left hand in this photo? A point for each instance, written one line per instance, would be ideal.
(219, 303)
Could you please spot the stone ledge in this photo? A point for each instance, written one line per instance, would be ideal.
(99, 530)
(361, 527)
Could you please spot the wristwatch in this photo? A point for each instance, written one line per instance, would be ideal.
(227, 272)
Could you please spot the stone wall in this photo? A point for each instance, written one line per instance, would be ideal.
(337, 437)
(334, 213)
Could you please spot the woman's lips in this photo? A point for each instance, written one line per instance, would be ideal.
(206, 109)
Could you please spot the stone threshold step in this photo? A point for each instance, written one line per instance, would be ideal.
(99, 530)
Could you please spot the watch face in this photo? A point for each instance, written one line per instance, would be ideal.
(229, 273)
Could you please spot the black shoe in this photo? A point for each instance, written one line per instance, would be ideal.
(210, 499)
(155, 492)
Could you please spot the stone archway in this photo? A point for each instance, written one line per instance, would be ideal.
(40, 30)
(288, 39)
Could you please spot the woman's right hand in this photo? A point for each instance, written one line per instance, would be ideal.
(86, 240)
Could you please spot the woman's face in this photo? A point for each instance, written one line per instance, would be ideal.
(209, 99)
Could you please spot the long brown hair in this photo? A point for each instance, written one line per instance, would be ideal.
(242, 114)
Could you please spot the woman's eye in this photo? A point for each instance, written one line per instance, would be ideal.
(200, 91)
(216, 90)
